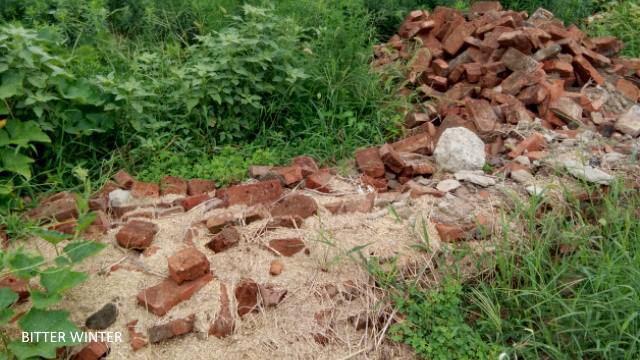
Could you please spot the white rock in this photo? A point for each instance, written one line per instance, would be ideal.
(459, 149)
(119, 197)
(535, 190)
(587, 173)
(475, 178)
(448, 185)
(629, 122)
(523, 160)
(521, 176)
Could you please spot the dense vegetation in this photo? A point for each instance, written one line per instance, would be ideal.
(201, 88)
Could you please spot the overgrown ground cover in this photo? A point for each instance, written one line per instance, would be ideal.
(204, 88)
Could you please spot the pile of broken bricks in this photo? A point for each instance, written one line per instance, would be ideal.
(495, 98)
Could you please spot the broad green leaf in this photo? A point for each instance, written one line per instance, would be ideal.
(80, 250)
(51, 236)
(60, 279)
(7, 298)
(11, 84)
(15, 162)
(43, 300)
(24, 265)
(43, 321)
(85, 221)
(21, 133)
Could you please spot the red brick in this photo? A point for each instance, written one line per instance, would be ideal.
(379, 184)
(515, 60)
(137, 339)
(451, 233)
(319, 181)
(60, 207)
(440, 67)
(217, 222)
(437, 82)
(482, 7)
(17, 285)
(136, 234)
(171, 329)
(628, 89)
(482, 114)
(391, 158)
(606, 45)
(190, 202)
(173, 185)
(286, 247)
(123, 179)
(225, 239)
(162, 213)
(533, 95)
(160, 298)
(289, 175)
(224, 323)
(585, 71)
(473, 71)
(187, 264)
(246, 293)
(517, 39)
(369, 162)
(200, 186)
(356, 203)
(454, 41)
(306, 163)
(418, 190)
(251, 194)
(295, 205)
(416, 164)
(93, 351)
(141, 189)
(419, 143)
(535, 142)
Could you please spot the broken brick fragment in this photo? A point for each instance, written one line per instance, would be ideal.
(200, 186)
(173, 185)
(319, 181)
(137, 339)
(535, 142)
(160, 298)
(141, 189)
(225, 239)
(171, 329)
(187, 264)
(93, 351)
(295, 204)
(306, 164)
(246, 294)
(369, 162)
(224, 323)
(286, 247)
(251, 194)
(137, 234)
(123, 179)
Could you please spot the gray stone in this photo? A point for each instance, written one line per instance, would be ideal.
(629, 122)
(587, 173)
(102, 318)
(613, 158)
(523, 160)
(448, 185)
(475, 178)
(535, 190)
(521, 176)
(459, 149)
(119, 197)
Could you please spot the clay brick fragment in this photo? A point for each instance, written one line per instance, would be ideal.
(482, 114)
(306, 164)
(123, 179)
(391, 158)
(440, 67)
(190, 202)
(173, 185)
(141, 189)
(606, 45)
(369, 162)
(225, 239)
(628, 89)
(137, 234)
(420, 143)
(200, 186)
(585, 71)
(160, 298)
(251, 194)
(288, 175)
(187, 264)
(60, 207)
(481, 7)
(515, 60)
(454, 41)
(535, 142)
(224, 324)
(379, 184)
(93, 351)
(171, 329)
(533, 95)
(358, 203)
(246, 294)
(319, 181)
(295, 204)
(286, 247)
(137, 339)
